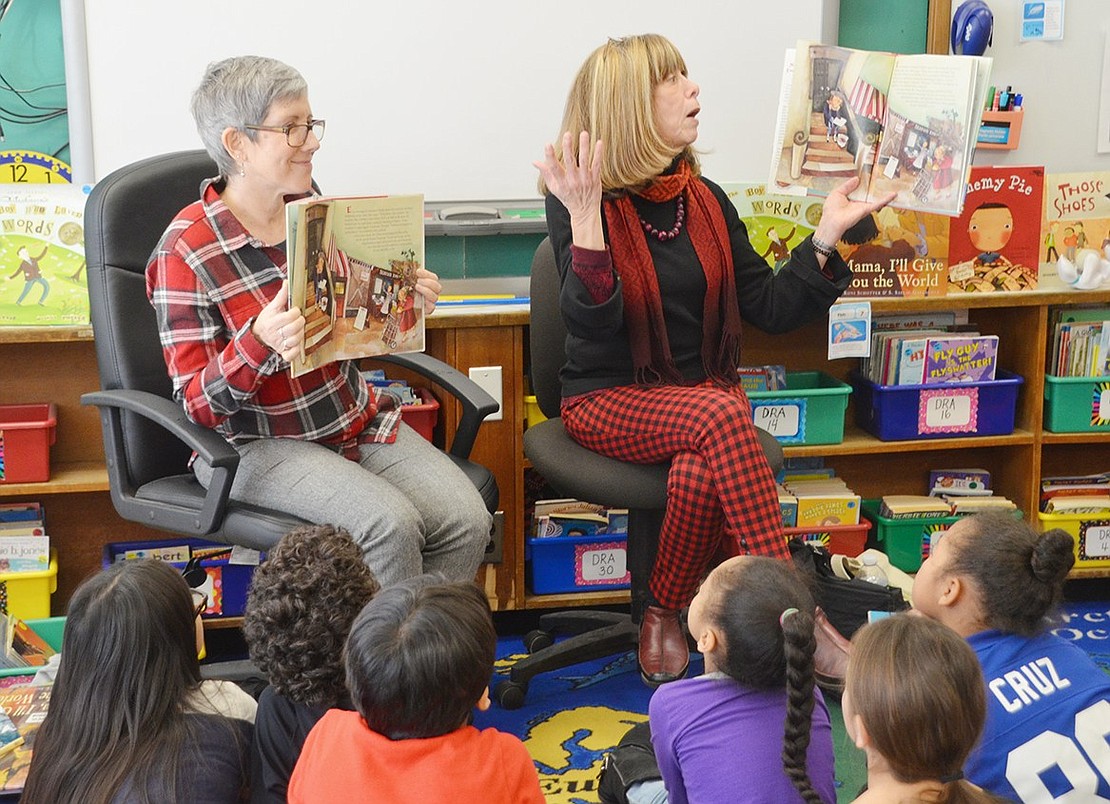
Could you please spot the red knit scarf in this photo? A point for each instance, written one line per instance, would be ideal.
(643, 307)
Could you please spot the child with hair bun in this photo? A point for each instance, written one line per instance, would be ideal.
(753, 728)
(993, 579)
(914, 703)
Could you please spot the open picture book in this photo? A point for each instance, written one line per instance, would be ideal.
(352, 272)
(906, 124)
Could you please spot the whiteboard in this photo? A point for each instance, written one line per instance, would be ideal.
(1060, 83)
(452, 100)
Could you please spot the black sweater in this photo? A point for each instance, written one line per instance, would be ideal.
(598, 350)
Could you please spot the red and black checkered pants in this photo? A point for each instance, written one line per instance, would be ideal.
(721, 496)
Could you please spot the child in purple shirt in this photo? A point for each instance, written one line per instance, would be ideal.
(754, 728)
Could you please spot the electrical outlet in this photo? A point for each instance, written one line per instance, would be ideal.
(489, 377)
(496, 539)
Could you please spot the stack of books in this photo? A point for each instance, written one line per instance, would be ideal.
(24, 545)
(21, 646)
(571, 517)
(932, 355)
(762, 378)
(1076, 494)
(818, 502)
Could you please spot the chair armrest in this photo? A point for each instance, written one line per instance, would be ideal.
(207, 443)
(476, 403)
(169, 415)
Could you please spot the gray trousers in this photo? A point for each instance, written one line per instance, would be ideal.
(406, 504)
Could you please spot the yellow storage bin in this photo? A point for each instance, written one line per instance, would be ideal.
(1091, 533)
(28, 593)
(532, 413)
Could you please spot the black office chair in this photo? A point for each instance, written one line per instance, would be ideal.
(574, 471)
(147, 437)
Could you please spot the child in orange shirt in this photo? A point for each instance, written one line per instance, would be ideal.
(419, 657)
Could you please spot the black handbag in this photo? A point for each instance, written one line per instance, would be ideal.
(845, 602)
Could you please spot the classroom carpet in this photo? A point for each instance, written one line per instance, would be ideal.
(572, 717)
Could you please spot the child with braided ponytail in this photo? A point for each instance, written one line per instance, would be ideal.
(753, 728)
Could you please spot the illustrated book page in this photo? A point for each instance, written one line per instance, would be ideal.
(352, 269)
(903, 124)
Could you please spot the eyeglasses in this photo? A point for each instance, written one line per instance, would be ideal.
(200, 602)
(296, 134)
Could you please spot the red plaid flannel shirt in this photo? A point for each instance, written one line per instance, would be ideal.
(208, 279)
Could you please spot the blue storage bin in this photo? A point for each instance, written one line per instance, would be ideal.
(941, 410)
(227, 583)
(577, 563)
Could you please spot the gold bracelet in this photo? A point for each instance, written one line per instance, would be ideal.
(821, 247)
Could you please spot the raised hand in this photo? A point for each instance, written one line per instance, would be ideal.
(576, 182)
(839, 213)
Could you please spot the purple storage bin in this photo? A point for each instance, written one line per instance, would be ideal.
(942, 410)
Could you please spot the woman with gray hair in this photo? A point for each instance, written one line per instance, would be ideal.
(317, 446)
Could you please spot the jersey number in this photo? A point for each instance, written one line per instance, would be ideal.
(1027, 762)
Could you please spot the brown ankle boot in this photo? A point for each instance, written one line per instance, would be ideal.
(664, 653)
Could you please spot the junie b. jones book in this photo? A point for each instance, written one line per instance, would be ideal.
(903, 124)
(352, 272)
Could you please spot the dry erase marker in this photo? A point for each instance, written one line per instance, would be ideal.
(1017, 101)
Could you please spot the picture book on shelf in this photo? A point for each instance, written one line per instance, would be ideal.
(775, 223)
(953, 358)
(26, 705)
(42, 242)
(1076, 216)
(352, 269)
(897, 253)
(904, 124)
(993, 244)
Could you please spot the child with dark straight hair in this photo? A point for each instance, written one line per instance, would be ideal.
(419, 659)
(753, 728)
(993, 580)
(914, 702)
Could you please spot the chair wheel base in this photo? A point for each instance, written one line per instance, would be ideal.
(510, 694)
(537, 640)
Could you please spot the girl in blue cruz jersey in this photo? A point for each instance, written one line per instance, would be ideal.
(992, 579)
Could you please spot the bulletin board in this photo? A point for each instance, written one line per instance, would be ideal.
(452, 100)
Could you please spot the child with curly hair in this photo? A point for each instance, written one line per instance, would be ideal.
(302, 601)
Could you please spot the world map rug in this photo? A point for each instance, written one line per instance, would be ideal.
(572, 717)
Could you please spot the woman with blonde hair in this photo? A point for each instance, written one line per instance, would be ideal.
(657, 274)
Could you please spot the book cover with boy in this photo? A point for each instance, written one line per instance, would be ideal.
(1076, 216)
(993, 244)
(776, 223)
(42, 256)
(352, 269)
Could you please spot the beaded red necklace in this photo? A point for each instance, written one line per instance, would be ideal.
(679, 220)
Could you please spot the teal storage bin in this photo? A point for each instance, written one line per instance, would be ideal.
(1077, 404)
(50, 629)
(810, 410)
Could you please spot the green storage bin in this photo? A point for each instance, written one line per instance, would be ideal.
(810, 410)
(50, 629)
(1077, 404)
(906, 542)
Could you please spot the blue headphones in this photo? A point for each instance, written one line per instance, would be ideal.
(972, 28)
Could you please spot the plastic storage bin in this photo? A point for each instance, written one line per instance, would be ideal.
(422, 418)
(227, 583)
(50, 629)
(848, 540)
(26, 433)
(810, 410)
(27, 594)
(943, 410)
(1091, 533)
(577, 563)
(1077, 404)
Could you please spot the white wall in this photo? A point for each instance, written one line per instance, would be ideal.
(1060, 82)
(450, 99)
